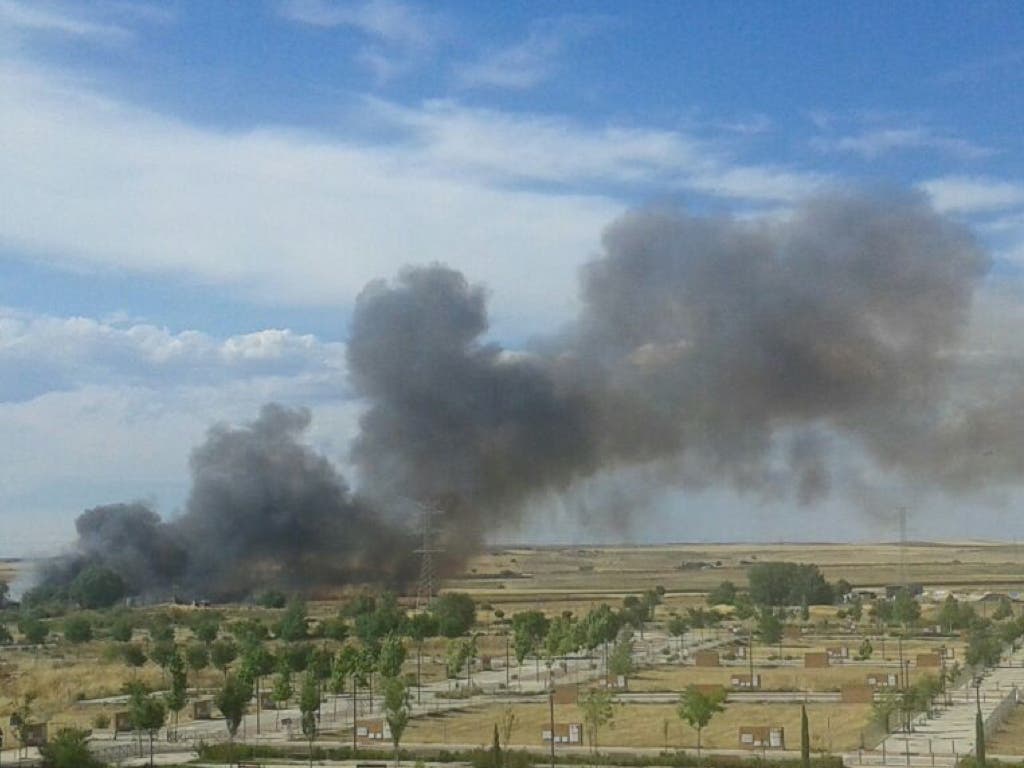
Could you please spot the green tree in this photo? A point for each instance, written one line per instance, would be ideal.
(206, 629)
(283, 688)
(905, 609)
(33, 629)
(122, 629)
(257, 662)
(529, 629)
(309, 703)
(396, 710)
(293, 625)
(133, 655)
(197, 658)
(724, 594)
(697, 709)
(232, 700)
(769, 628)
(97, 587)
(161, 652)
(455, 612)
(420, 627)
(386, 617)
(677, 627)
(781, 583)
(598, 711)
(148, 714)
(805, 739)
(620, 660)
(68, 749)
(77, 629)
(866, 650)
(391, 656)
(177, 697)
(222, 653)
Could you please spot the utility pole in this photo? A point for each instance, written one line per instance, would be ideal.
(551, 711)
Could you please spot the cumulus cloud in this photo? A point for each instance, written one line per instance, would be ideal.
(40, 353)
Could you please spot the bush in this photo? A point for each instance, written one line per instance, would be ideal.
(77, 629)
(97, 587)
(68, 749)
(272, 598)
(101, 721)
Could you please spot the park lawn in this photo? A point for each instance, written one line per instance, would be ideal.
(835, 727)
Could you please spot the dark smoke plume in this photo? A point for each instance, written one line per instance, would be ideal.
(708, 351)
(717, 349)
(264, 510)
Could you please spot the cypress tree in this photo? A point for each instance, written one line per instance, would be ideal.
(496, 749)
(805, 739)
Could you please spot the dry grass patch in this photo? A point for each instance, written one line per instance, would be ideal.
(644, 725)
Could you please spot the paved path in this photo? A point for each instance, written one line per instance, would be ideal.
(942, 739)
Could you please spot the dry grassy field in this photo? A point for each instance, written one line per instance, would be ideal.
(577, 579)
(834, 727)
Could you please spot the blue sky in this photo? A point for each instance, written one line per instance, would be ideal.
(193, 193)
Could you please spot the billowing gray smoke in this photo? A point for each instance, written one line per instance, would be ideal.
(264, 510)
(708, 351)
(717, 350)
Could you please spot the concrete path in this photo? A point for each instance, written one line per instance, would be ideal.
(941, 740)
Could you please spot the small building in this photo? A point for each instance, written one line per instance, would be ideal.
(857, 694)
(740, 651)
(838, 652)
(746, 682)
(202, 709)
(565, 694)
(883, 680)
(34, 735)
(565, 733)
(815, 660)
(792, 632)
(123, 723)
(762, 737)
(707, 659)
(929, 660)
(373, 730)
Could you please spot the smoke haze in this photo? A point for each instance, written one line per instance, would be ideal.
(709, 352)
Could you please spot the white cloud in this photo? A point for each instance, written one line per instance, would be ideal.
(973, 194)
(874, 143)
(46, 18)
(398, 35)
(309, 219)
(528, 148)
(533, 60)
(40, 353)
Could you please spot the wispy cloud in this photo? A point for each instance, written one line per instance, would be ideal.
(533, 60)
(397, 34)
(45, 18)
(508, 147)
(872, 144)
(973, 194)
